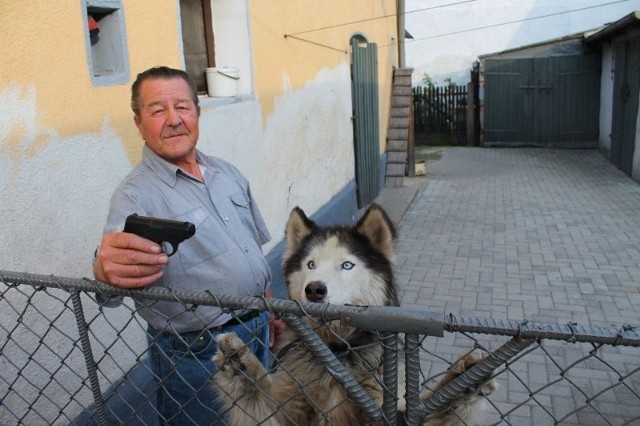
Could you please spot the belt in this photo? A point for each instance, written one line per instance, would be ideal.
(237, 320)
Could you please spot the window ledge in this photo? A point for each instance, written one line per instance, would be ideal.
(209, 102)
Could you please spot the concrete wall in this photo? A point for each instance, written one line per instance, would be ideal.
(303, 82)
(66, 142)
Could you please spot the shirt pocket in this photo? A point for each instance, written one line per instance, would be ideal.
(242, 205)
(205, 244)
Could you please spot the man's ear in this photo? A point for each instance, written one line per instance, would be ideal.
(136, 120)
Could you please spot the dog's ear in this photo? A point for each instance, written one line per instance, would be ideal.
(378, 228)
(298, 227)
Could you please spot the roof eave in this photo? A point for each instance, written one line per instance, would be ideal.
(613, 28)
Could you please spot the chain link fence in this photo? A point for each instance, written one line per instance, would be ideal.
(66, 359)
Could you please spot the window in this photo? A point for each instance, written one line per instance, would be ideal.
(229, 20)
(197, 39)
(105, 39)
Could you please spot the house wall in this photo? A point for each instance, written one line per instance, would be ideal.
(66, 143)
(625, 30)
(64, 146)
(304, 89)
(606, 100)
(635, 171)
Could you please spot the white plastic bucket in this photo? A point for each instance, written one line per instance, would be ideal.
(222, 82)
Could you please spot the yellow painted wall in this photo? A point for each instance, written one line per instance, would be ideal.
(53, 115)
(278, 58)
(54, 61)
(63, 137)
(43, 46)
(65, 144)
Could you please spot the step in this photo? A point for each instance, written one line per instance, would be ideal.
(402, 90)
(397, 144)
(401, 101)
(396, 157)
(393, 181)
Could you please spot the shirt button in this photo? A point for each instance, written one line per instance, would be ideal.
(246, 249)
(226, 218)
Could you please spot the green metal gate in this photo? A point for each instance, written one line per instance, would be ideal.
(625, 104)
(366, 129)
(552, 102)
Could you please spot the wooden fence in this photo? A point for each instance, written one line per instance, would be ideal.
(440, 115)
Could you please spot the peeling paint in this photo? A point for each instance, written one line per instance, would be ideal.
(55, 190)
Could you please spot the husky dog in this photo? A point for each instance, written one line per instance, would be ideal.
(339, 265)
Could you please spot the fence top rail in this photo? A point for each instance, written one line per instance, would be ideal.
(406, 319)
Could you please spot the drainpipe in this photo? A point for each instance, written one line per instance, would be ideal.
(400, 23)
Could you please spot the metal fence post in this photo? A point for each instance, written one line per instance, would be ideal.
(390, 378)
(412, 397)
(475, 375)
(88, 358)
(318, 347)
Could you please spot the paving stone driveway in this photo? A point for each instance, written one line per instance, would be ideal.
(531, 234)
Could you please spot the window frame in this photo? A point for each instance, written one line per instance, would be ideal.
(105, 70)
(206, 17)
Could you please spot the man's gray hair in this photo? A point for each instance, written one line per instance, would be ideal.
(163, 73)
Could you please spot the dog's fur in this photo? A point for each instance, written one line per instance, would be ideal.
(338, 265)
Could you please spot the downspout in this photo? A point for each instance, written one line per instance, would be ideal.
(400, 23)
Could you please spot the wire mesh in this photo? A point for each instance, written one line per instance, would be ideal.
(67, 359)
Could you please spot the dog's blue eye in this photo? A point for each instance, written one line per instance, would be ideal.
(347, 265)
(311, 264)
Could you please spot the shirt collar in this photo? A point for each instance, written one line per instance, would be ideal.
(167, 171)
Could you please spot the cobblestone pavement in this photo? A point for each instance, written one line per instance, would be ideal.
(539, 235)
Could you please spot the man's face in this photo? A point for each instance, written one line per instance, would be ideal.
(168, 120)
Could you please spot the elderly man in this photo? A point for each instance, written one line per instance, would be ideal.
(176, 181)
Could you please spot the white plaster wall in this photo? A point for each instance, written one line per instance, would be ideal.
(233, 46)
(448, 39)
(56, 191)
(303, 154)
(54, 198)
(606, 100)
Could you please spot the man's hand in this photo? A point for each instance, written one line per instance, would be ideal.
(277, 327)
(128, 261)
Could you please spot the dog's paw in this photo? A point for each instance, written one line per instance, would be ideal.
(234, 358)
(488, 388)
(467, 361)
(230, 347)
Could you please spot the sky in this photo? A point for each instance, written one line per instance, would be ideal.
(448, 35)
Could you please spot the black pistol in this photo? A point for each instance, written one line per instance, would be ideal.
(160, 231)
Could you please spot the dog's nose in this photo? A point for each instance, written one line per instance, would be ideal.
(315, 291)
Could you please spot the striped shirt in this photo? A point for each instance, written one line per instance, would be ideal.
(224, 256)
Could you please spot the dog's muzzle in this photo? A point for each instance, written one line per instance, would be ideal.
(315, 291)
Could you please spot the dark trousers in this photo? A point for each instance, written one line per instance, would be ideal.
(183, 367)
